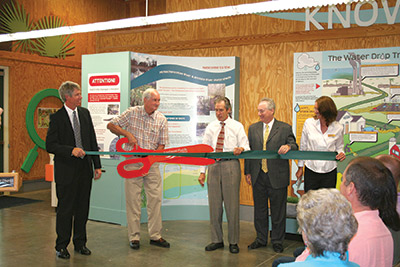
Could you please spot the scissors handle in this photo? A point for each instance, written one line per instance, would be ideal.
(134, 173)
(125, 140)
(147, 161)
(199, 148)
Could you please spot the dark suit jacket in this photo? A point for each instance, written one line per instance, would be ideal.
(278, 169)
(60, 141)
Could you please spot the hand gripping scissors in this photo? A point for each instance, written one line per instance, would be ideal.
(148, 160)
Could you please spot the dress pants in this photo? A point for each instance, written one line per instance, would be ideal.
(315, 180)
(73, 207)
(133, 194)
(223, 189)
(262, 191)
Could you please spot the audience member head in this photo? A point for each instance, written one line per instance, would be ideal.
(369, 185)
(393, 164)
(388, 211)
(325, 108)
(326, 221)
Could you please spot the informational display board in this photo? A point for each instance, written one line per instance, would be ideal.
(112, 82)
(188, 87)
(365, 86)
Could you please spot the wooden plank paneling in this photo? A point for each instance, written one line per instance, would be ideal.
(29, 75)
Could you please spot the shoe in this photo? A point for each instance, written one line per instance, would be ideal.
(256, 244)
(83, 250)
(160, 242)
(135, 244)
(233, 248)
(278, 248)
(63, 253)
(214, 246)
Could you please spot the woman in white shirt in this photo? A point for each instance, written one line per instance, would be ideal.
(321, 133)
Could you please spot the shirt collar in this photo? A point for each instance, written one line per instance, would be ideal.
(270, 124)
(70, 111)
(226, 121)
(145, 114)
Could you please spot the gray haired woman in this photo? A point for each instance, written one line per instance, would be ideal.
(327, 224)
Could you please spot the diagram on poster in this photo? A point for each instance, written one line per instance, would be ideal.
(365, 86)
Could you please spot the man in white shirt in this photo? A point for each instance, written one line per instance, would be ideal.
(224, 135)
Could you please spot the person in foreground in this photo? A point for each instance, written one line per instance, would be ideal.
(388, 212)
(327, 224)
(146, 127)
(365, 185)
(269, 178)
(70, 134)
(223, 182)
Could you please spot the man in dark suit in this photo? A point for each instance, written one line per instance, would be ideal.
(70, 134)
(269, 178)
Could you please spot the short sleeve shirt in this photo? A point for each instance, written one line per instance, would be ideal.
(149, 130)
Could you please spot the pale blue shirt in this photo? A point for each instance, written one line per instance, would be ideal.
(330, 259)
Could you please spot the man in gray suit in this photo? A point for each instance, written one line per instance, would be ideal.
(269, 178)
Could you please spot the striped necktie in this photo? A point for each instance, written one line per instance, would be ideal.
(264, 166)
(77, 130)
(220, 141)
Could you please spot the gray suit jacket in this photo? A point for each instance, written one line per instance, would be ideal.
(278, 169)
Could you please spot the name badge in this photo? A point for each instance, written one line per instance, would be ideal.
(331, 135)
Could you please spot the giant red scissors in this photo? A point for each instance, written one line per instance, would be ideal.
(147, 161)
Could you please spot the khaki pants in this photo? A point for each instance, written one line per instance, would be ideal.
(153, 188)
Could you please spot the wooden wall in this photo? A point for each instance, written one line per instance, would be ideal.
(27, 76)
(76, 12)
(265, 47)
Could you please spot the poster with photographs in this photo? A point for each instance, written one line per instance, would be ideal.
(188, 87)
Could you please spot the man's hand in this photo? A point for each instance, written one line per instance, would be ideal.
(132, 140)
(97, 174)
(248, 179)
(284, 149)
(202, 178)
(238, 150)
(78, 152)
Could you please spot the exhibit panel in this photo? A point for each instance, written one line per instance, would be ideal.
(107, 197)
(113, 82)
